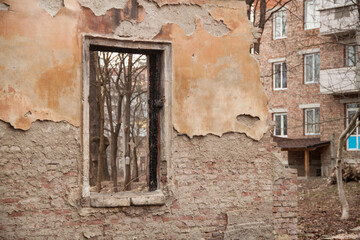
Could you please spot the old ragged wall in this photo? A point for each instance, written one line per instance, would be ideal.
(225, 183)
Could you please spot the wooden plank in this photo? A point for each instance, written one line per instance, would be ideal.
(307, 160)
(298, 149)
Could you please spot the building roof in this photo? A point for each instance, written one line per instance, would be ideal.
(299, 143)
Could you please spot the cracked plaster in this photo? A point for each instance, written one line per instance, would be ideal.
(182, 15)
(212, 85)
(52, 7)
(4, 6)
(99, 7)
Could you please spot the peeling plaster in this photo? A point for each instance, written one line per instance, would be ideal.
(247, 119)
(161, 3)
(99, 7)
(107, 23)
(52, 7)
(182, 15)
(39, 65)
(4, 7)
(214, 85)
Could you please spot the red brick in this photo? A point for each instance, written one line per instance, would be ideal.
(16, 214)
(94, 222)
(10, 200)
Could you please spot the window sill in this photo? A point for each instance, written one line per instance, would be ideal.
(125, 199)
(281, 136)
(306, 29)
(279, 89)
(338, 5)
(278, 38)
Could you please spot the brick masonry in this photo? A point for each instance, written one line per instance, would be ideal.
(223, 188)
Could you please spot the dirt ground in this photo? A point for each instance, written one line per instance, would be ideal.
(320, 211)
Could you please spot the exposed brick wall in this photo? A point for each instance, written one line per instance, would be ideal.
(222, 188)
(285, 205)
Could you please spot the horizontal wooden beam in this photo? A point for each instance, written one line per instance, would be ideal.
(299, 149)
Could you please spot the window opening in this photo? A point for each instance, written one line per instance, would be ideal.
(312, 121)
(279, 23)
(353, 142)
(350, 55)
(312, 14)
(125, 100)
(312, 68)
(281, 124)
(280, 75)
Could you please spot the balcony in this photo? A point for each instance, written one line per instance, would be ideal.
(338, 18)
(339, 81)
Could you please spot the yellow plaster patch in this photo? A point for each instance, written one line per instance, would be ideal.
(40, 65)
(216, 79)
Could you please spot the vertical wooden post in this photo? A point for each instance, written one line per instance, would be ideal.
(307, 169)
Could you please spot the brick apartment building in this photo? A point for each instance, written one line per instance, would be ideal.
(308, 61)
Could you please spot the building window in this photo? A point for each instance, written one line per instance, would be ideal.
(312, 121)
(312, 68)
(280, 124)
(280, 76)
(279, 24)
(312, 14)
(353, 142)
(350, 55)
(124, 111)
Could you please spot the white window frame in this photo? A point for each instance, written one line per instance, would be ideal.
(283, 20)
(347, 56)
(315, 14)
(282, 123)
(357, 131)
(313, 68)
(282, 64)
(313, 125)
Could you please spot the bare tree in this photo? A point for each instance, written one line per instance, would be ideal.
(101, 93)
(125, 97)
(264, 10)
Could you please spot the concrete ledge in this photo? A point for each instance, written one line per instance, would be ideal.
(125, 199)
(148, 198)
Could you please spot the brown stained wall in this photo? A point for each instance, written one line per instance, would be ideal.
(219, 187)
(212, 84)
(41, 67)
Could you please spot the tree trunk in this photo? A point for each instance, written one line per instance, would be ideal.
(262, 21)
(127, 123)
(94, 121)
(342, 197)
(101, 144)
(114, 149)
(135, 173)
(339, 156)
(105, 168)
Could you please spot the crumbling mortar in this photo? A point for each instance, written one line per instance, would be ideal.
(189, 205)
